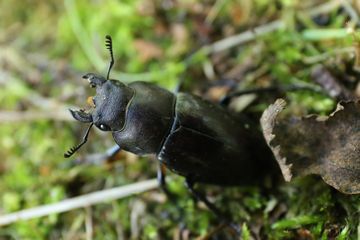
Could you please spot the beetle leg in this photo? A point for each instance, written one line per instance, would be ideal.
(111, 152)
(161, 177)
(201, 197)
(99, 158)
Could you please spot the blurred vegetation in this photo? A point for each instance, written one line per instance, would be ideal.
(46, 46)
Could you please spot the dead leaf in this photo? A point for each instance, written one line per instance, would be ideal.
(215, 93)
(329, 147)
(147, 50)
(180, 37)
(240, 12)
(146, 8)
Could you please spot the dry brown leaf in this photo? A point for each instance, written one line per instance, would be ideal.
(240, 12)
(147, 50)
(180, 37)
(329, 147)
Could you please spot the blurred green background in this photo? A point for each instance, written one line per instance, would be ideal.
(45, 48)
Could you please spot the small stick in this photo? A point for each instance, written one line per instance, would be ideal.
(243, 37)
(350, 11)
(79, 202)
(30, 115)
(89, 223)
(251, 34)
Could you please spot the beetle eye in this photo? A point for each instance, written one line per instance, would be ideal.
(104, 127)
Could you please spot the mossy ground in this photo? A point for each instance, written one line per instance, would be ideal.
(46, 47)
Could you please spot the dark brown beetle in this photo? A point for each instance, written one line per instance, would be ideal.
(197, 139)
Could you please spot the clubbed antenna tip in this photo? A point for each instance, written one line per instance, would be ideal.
(72, 150)
(108, 44)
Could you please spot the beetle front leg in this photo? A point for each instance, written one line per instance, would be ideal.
(201, 197)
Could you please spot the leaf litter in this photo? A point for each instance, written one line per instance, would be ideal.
(325, 146)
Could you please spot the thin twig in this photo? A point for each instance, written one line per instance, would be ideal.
(214, 11)
(251, 34)
(89, 223)
(79, 202)
(328, 55)
(350, 10)
(18, 116)
(323, 8)
(243, 37)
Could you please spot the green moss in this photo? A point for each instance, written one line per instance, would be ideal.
(46, 48)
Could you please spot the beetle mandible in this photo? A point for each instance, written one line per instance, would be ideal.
(200, 140)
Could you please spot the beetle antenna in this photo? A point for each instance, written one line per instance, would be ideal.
(108, 44)
(72, 150)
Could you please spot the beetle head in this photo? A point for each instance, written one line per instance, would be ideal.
(110, 103)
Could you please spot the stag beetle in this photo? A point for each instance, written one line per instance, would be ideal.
(197, 139)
